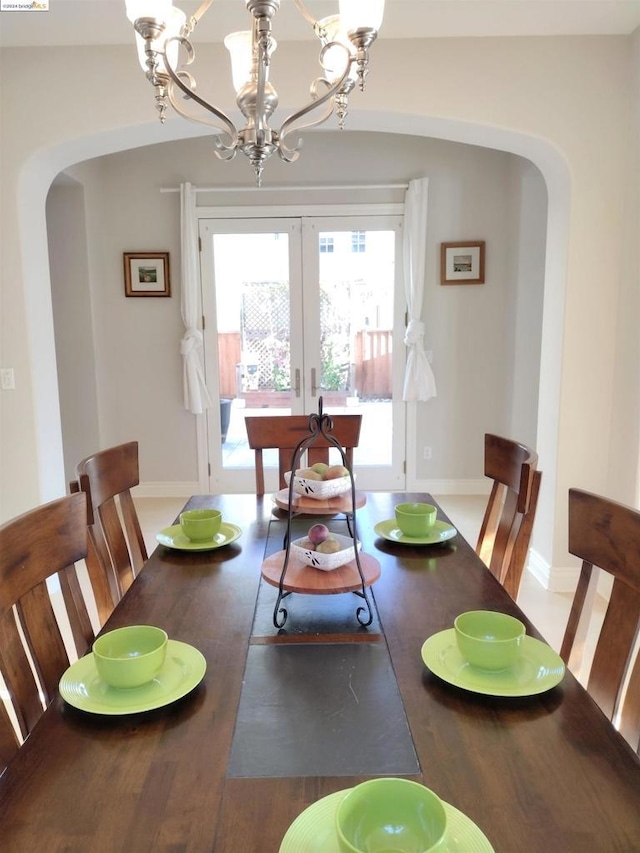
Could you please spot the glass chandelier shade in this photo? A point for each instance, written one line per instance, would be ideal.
(356, 14)
(163, 35)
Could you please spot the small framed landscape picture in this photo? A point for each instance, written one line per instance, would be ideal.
(462, 263)
(146, 274)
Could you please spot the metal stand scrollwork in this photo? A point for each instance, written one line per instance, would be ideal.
(321, 425)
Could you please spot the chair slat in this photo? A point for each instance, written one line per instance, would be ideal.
(22, 687)
(507, 525)
(43, 638)
(617, 635)
(42, 544)
(629, 709)
(606, 534)
(116, 539)
(9, 742)
(116, 543)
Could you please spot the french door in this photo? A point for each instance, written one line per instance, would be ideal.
(298, 308)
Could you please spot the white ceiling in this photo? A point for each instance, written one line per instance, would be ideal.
(78, 22)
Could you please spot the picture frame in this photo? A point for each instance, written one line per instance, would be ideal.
(462, 262)
(146, 274)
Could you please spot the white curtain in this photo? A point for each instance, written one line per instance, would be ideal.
(196, 396)
(419, 381)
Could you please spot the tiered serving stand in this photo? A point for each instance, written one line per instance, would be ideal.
(287, 572)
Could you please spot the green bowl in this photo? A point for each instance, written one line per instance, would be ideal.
(200, 525)
(387, 814)
(130, 657)
(416, 519)
(489, 640)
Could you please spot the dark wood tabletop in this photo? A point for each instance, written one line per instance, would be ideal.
(537, 773)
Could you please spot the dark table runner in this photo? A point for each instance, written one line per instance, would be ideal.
(312, 705)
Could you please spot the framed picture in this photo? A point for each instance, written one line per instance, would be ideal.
(462, 263)
(146, 274)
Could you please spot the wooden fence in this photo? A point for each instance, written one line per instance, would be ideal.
(372, 360)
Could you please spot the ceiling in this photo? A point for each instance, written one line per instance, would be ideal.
(88, 22)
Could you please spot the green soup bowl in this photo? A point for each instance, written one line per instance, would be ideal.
(200, 525)
(489, 640)
(389, 815)
(130, 657)
(416, 519)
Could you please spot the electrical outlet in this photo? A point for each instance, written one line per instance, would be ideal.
(7, 379)
(426, 453)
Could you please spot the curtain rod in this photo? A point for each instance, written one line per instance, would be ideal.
(289, 189)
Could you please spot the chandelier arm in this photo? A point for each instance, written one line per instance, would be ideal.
(289, 154)
(289, 124)
(231, 146)
(191, 94)
(261, 83)
(305, 13)
(192, 22)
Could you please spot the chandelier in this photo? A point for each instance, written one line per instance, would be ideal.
(163, 34)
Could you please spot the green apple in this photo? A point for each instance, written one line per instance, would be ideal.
(319, 468)
(335, 471)
(308, 474)
(329, 546)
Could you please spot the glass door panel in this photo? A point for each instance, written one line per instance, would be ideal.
(297, 309)
(356, 356)
(253, 305)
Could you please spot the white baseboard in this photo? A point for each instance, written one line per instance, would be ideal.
(451, 487)
(166, 490)
(555, 579)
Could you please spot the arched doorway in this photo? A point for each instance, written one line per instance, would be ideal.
(41, 171)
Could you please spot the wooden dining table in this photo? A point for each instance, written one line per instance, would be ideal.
(285, 717)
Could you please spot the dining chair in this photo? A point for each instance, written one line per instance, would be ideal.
(284, 432)
(505, 532)
(606, 535)
(39, 546)
(107, 478)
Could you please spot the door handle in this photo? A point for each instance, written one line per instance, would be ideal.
(296, 387)
(314, 387)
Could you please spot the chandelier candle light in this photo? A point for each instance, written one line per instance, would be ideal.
(163, 33)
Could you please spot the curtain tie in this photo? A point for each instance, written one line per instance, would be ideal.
(191, 341)
(414, 332)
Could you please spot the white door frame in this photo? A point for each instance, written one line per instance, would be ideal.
(291, 212)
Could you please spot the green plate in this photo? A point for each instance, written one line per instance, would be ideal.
(440, 532)
(82, 687)
(173, 537)
(313, 830)
(537, 669)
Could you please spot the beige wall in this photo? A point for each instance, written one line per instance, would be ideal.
(473, 193)
(566, 103)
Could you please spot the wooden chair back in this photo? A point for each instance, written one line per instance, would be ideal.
(606, 534)
(102, 577)
(284, 432)
(38, 545)
(107, 478)
(505, 533)
(9, 743)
